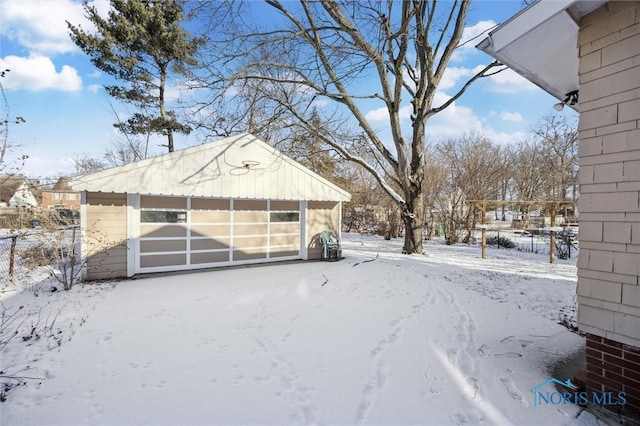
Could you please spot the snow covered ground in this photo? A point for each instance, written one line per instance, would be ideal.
(377, 338)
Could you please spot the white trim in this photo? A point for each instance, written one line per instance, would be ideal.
(216, 264)
(339, 220)
(163, 238)
(189, 224)
(157, 253)
(522, 23)
(268, 229)
(304, 251)
(133, 232)
(129, 179)
(232, 217)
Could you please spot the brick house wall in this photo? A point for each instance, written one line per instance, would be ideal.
(609, 153)
(60, 199)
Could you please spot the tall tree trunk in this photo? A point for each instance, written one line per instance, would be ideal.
(413, 217)
(163, 112)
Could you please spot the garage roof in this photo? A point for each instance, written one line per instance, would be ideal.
(241, 166)
(541, 43)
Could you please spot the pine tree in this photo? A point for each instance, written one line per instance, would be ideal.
(141, 43)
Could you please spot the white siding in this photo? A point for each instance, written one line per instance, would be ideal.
(217, 169)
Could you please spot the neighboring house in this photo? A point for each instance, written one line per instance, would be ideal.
(17, 184)
(23, 197)
(61, 196)
(587, 53)
(233, 201)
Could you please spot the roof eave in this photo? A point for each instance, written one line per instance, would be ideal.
(518, 44)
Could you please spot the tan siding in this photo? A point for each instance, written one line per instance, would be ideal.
(106, 234)
(609, 155)
(321, 216)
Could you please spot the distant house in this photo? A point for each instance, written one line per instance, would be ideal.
(18, 191)
(61, 196)
(23, 197)
(587, 55)
(230, 202)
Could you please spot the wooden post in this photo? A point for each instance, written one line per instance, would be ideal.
(483, 211)
(12, 255)
(552, 235)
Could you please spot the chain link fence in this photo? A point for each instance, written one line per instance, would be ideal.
(29, 257)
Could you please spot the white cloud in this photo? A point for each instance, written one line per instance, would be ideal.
(452, 75)
(456, 120)
(41, 26)
(511, 116)
(40, 166)
(95, 88)
(382, 114)
(453, 122)
(508, 81)
(38, 73)
(470, 37)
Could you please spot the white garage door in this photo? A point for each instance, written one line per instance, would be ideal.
(178, 233)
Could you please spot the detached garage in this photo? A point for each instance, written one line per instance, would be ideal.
(230, 202)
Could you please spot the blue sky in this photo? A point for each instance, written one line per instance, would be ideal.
(57, 90)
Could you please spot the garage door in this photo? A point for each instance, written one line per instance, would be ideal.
(188, 232)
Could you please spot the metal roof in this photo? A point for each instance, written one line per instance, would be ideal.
(240, 166)
(541, 43)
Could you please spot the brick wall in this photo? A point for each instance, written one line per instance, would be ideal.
(609, 155)
(614, 367)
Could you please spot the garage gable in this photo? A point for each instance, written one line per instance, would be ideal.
(240, 166)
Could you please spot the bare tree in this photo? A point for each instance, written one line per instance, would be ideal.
(559, 141)
(474, 166)
(529, 175)
(319, 51)
(434, 189)
(85, 163)
(6, 169)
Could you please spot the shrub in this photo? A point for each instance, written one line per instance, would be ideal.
(500, 242)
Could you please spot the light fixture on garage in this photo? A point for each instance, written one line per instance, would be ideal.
(571, 99)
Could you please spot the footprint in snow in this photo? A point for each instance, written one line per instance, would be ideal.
(484, 350)
(508, 355)
(512, 390)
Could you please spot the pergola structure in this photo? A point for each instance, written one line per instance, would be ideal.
(552, 206)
